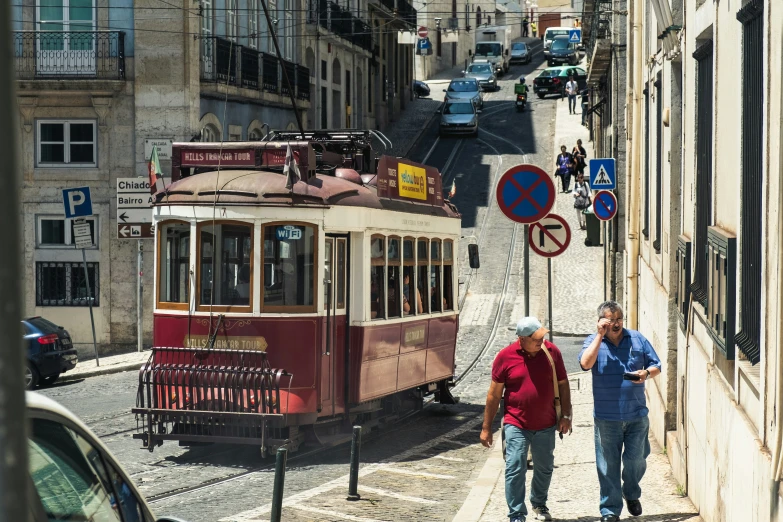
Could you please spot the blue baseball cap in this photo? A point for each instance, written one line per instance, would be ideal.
(530, 327)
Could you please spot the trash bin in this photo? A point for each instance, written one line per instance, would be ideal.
(593, 229)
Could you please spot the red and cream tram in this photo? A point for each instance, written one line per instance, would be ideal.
(284, 314)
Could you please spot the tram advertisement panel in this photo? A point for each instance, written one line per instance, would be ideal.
(409, 181)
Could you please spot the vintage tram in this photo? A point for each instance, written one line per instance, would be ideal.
(287, 314)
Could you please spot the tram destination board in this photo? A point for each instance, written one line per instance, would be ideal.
(408, 181)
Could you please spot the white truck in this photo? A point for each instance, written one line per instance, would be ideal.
(492, 45)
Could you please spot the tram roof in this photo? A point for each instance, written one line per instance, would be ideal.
(267, 188)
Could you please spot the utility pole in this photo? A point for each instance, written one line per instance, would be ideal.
(13, 435)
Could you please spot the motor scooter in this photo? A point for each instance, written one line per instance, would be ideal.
(521, 102)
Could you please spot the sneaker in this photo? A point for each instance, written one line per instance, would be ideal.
(541, 513)
(517, 520)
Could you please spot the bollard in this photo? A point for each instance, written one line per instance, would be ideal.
(277, 491)
(353, 481)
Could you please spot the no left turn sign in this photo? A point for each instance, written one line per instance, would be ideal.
(549, 237)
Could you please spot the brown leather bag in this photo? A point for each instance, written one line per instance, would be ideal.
(558, 409)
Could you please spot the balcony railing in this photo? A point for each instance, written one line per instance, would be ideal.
(344, 24)
(223, 61)
(69, 55)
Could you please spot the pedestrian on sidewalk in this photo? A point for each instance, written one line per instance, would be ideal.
(533, 28)
(525, 23)
(621, 361)
(581, 199)
(579, 154)
(585, 105)
(564, 165)
(571, 89)
(525, 374)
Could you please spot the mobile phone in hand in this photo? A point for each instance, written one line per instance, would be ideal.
(629, 376)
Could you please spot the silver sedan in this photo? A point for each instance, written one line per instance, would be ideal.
(459, 117)
(482, 72)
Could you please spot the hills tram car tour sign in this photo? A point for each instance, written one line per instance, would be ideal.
(230, 365)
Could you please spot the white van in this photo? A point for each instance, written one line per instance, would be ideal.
(549, 35)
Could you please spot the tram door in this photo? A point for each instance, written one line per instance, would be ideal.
(335, 323)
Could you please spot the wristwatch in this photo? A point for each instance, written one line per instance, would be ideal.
(569, 417)
(648, 373)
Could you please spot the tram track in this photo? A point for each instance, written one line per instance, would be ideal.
(404, 420)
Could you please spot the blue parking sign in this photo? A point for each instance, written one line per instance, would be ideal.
(574, 36)
(77, 202)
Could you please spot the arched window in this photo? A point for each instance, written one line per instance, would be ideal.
(336, 71)
(210, 133)
(254, 135)
(310, 61)
(478, 17)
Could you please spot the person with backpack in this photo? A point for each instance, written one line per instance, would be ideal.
(581, 198)
(580, 157)
(530, 377)
(564, 165)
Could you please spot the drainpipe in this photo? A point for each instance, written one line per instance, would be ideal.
(634, 167)
(317, 65)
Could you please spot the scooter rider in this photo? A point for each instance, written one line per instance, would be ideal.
(521, 92)
(524, 85)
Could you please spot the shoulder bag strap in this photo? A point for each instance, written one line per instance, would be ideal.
(554, 382)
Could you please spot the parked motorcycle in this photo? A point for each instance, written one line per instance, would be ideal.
(521, 102)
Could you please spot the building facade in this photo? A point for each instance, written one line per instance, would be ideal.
(96, 81)
(702, 242)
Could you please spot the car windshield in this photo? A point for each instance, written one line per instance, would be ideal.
(518, 47)
(474, 69)
(550, 73)
(462, 86)
(488, 49)
(551, 33)
(458, 108)
(560, 44)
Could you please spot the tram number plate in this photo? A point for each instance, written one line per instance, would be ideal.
(288, 233)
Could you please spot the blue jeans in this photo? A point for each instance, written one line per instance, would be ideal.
(617, 441)
(542, 447)
(572, 103)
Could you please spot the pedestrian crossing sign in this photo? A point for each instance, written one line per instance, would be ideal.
(575, 36)
(602, 174)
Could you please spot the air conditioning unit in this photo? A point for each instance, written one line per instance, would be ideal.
(453, 23)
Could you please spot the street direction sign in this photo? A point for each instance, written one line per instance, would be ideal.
(134, 201)
(77, 202)
(574, 36)
(605, 205)
(549, 237)
(135, 231)
(603, 175)
(423, 32)
(134, 215)
(525, 193)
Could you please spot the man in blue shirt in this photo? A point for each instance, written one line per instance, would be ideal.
(621, 361)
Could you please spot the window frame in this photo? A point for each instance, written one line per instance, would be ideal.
(411, 263)
(197, 294)
(168, 305)
(253, 38)
(682, 295)
(317, 261)
(232, 25)
(394, 263)
(439, 280)
(444, 263)
(425, 299)
(724, 246)
(68, 244)
(66, 143)
(69, 299)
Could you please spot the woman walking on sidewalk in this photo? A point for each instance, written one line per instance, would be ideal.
(564, 165)
(581, 198)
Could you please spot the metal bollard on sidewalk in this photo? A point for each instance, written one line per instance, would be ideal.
(277, 491)
(353, 481)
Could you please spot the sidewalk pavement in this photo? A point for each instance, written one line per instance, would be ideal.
(124, 362)
(574, 494)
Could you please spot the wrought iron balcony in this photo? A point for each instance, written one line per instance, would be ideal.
(225, 62)
(69, 55)
(341, 22)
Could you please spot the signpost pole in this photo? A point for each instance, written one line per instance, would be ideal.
(89, 302)
(605, 260)
(139, 299)
(527, 270)
(549, 293)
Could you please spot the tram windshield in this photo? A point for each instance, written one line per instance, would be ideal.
(225, 254)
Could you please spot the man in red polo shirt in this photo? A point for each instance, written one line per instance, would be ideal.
(524, 370)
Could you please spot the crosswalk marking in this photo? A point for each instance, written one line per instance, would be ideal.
(401, 471)
(398, 496)
(337, 514)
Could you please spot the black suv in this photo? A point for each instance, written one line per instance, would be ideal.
(562, 52)
(50, 351)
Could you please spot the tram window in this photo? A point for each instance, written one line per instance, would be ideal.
(393, 291)
(435, 250)
(341, 253)
(173, 285)
(377, 286)
(377, 250)
(289, 265)
(407, 251)
(448, 275)
(414, 305)
(226, 251)
(328, 274)
(422, 283)
(436, 297)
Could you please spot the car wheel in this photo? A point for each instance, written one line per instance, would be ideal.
(541, 95)
(48, 381)
(31, 377)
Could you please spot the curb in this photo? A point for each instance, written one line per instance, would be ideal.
(479, 495)
(118, 368)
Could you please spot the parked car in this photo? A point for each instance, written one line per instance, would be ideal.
(465, 89)
(50, 351)
(459, 117)
(520, 53)
(562, 51)
(420, 89)
(74, 476)
(552, 80)
(482, 71)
